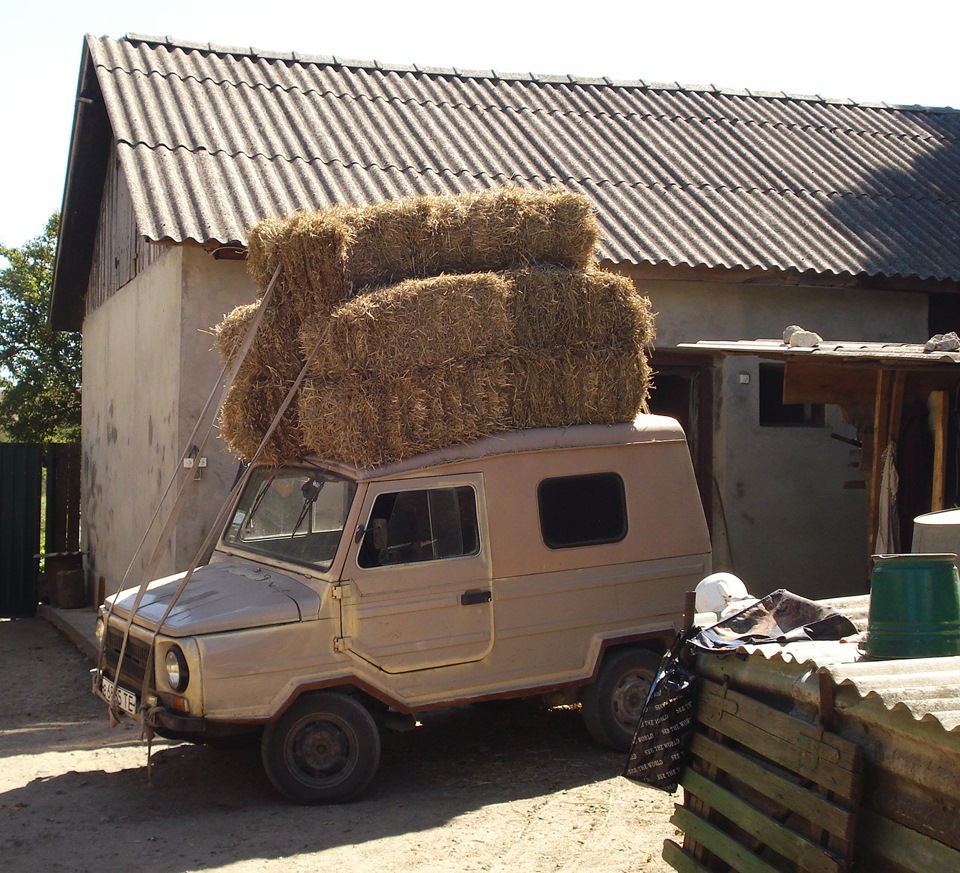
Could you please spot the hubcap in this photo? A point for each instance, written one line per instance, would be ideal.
(629, 697)
(321, 751)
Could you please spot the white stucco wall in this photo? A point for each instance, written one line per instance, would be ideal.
(782, 516)
(147, 372)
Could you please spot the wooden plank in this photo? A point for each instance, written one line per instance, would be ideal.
(680, 860)
(812, 806)
(806, 381)
(904, 846)
(770, 832)
(806, 749)
(940, 418)
(881, 435)
(722, 845)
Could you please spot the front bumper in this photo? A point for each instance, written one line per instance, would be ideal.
(162, 720)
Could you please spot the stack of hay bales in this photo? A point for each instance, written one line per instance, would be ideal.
(433, 321)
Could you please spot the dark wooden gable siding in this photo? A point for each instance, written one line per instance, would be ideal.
(120, 252)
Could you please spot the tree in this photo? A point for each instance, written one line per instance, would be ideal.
(39, 368)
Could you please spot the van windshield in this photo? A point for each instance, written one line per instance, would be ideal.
(293, 514)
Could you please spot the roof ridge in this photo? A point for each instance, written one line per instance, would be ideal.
(567, 79)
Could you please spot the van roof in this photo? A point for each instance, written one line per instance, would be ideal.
(643, 429)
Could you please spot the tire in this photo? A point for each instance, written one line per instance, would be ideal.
(324, 749)
(611, 706)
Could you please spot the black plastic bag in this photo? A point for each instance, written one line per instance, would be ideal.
(658, 752)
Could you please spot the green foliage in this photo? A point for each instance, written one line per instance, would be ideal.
(39, 368)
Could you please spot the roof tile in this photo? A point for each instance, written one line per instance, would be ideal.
(213, 138)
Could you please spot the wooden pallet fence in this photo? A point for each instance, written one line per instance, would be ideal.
(765, 792)
(889, 845)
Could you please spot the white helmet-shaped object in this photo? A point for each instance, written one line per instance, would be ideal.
(718, 590)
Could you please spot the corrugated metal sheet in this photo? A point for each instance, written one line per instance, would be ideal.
(212, 139)
(888, 353)
(922, 689)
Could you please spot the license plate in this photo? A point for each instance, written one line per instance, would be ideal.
(126, 700)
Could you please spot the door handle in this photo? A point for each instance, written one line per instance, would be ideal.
(468, 598)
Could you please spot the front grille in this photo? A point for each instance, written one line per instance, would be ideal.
(135, 659)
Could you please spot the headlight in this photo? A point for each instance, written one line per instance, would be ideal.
(176, 666)
(99, 628)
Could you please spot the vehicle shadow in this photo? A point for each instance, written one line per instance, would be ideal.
(207, 807)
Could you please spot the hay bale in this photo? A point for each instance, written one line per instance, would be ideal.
(420, 324)
(552, 307)
(433, 362)
(364, 421)
(247, 412)
(416, 325)
(564, 386)
(230, 332)
(369, 421)
(495, 318)
(327, 256)
(271, 366)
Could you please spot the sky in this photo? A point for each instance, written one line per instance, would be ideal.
(883, 51)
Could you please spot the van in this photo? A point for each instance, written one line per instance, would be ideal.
(340, 601)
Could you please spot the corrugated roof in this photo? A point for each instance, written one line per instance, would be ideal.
(925, 689)
(849, 351)
(213, 138)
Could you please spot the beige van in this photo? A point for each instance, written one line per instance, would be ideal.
(342, 601)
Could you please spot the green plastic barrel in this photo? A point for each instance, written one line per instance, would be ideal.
(914, 607)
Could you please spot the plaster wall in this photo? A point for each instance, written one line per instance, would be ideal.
(784, 514)
(130, 385)
(211, 289)
(148, 369)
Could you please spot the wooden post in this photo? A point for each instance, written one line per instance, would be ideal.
(941, 413)
(887, 413)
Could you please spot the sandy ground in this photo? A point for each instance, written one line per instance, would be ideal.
(509, 788)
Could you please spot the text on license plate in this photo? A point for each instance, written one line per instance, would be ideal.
(126, 700)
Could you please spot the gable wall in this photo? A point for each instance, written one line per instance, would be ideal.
(149, 369)
(131, 372)
(120, 252)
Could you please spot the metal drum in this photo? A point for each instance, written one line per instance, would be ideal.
(914, 607)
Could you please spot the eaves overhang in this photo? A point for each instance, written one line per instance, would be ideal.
(83, 189)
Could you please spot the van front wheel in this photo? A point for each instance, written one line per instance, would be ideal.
(324, 749)
(612, 705)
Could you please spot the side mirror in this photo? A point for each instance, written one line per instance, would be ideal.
(377, 530)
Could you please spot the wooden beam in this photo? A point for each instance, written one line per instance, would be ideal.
(883, 381)
(905, 848)
(941, 416)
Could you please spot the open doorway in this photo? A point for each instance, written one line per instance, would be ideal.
(683, 389)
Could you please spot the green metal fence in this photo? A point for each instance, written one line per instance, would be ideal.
(21, 478)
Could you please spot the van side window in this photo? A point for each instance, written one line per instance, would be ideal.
(582, 510)
(424, 525)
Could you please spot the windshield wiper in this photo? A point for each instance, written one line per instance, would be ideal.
(261, 493)
(311, 491)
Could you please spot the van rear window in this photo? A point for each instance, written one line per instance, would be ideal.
(582, 510)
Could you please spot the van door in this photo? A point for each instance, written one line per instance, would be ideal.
(419, 593)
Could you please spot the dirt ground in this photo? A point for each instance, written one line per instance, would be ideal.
(509, 788)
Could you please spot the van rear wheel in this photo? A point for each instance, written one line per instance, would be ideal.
(611, 707)
(324, 749)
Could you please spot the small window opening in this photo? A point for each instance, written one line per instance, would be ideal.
(774, 412)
